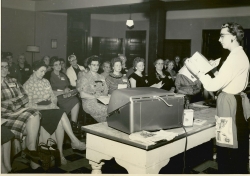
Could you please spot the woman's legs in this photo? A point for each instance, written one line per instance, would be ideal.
(31, 131)
(74, 112)
(67, 127)
(5, 165)
(59, 137)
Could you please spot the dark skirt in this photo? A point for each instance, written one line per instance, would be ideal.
(67, 104)
(50, 119)
(6, 134)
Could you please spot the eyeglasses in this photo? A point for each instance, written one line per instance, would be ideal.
(6, 67)
(73, 60)
(160, 63)
(222, 35)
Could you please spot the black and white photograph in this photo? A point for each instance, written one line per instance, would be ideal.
(125, 87)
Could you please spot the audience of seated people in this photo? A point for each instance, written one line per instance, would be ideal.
(106, 69)
(161, 76)
(73, 70)
(116, 79)
(61, 87)
(92, 85)
(24, 68)
(54, 120)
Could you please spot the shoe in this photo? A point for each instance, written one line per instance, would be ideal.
(63, 161)
(79, 145)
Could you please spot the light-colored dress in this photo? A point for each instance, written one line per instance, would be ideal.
(94, 85)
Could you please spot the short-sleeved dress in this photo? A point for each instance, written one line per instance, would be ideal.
(17, 118)
(93, 84)
(60, 83)
(140, 81)
(113, 80)
(38, 90)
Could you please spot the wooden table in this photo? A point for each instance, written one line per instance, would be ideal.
(105, 143)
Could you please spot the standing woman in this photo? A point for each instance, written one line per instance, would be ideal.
(54, 120)
(61, 87)
(73, 70)
(232, 135)
(116, 78)
(92, 85)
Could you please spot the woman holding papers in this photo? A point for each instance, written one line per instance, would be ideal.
(232, 135)
(65, 95)
(116, 80)
(19, 120)
(54, 120)
(161, 76)
(91, 86)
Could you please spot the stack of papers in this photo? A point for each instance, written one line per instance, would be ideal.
(150, 138)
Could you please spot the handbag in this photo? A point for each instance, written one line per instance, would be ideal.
(49, 154)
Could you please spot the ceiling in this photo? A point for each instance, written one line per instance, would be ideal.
(169, 5)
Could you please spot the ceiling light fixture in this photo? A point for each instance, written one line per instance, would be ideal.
(130, 22)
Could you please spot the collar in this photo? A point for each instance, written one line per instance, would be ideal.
(237, 49)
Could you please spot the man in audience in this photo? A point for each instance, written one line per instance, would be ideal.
(24, 68)
(13, 69)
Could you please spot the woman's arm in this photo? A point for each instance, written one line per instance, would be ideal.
(132, 82)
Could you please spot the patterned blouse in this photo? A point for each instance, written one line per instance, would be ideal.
(11, 89)
(113, 80)
(39, 90)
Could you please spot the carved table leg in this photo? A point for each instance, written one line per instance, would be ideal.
(96, 167)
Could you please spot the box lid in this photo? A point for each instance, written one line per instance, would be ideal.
(120, 97)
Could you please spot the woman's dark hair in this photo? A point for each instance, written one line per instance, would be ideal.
(184, 59)
(114, 60)
(236, 30)
(38, 64)
(137, 60)
(5, 60)
(155, 62)
(93, 58)
(53, 60)
(61, 59)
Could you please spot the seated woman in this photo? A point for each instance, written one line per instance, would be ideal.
(123, 60)
(191, 88)
(116, 78)
(161, 76)
(63, 65)
(166, 64)
(61, 87)
(6, 136)
(106, 69)
(137, 79)
(46, 60)
(170, 70)
(54, 120)
(92, 85)
(73, 70)
(21, 121)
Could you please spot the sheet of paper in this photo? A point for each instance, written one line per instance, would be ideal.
(104, 99)
(122, 86)
(184, 71)
(201, 62)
